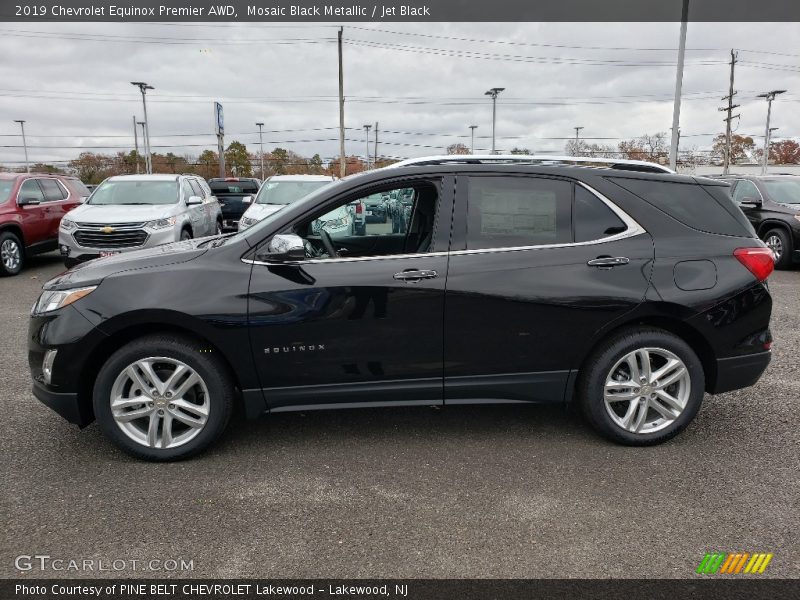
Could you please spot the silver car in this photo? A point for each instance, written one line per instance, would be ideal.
(128, 212)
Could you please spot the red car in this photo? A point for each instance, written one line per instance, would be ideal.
(31, 207)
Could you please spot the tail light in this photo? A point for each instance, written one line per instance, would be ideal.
(359, 208)
(759, 261)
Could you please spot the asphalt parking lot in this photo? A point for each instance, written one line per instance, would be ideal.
(516, 491)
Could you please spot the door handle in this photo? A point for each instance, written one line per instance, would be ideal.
(609, 261)
(415, 275)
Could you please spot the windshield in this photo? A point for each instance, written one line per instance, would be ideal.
(286, 192)
(135, 192)
(5, 189)
(235, 187)
(785, 191)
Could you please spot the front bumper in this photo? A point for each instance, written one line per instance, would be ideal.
(72, 251)
(740, 371)
(64, 403)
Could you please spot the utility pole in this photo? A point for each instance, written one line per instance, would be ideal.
(472, 138)
(493, 93)
(577, 136)
(770, 96)
(729, 109)
(148, 161)
(342, 163)
(24, 143)
(367, 128)
(676, 108)
(261, 146)
(135, 145)
(376, 144)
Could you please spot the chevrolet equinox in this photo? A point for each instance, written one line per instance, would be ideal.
(621, 287)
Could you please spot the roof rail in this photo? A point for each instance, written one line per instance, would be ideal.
(539, 159)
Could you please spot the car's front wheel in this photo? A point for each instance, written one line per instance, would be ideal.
(163, 398)
(12, 254)
(642, 387)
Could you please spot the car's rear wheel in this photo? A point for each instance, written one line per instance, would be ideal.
(642, 387)
(12, 254)
(162, 398)
(780, 243)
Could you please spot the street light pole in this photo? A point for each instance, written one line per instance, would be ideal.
(135, 145)
(472, 139)
(261, 146)
(770, 96)
(24, 143)
(367, 128)
(143, 87)
(676, 107)
(141, 124)
(577, 135)
(493, 93)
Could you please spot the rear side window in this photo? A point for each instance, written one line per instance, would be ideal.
(506, 212)
(52, 190)
(592, 219)
(688, 203)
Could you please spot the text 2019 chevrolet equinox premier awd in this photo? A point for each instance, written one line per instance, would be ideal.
(626, 290)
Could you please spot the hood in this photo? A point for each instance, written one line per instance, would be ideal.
(121, 213)
(94, 271)
(262, 211)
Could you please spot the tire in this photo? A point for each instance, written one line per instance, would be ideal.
(207, 404)
(780, 242)
(608, 364)
(186, 234)
(12, 254)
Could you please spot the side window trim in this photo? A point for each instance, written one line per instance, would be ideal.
(35, 181)
(752, 183)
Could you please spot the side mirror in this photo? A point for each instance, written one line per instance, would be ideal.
(750, 201)
(284, 247)
(28, 201)
(194, 200)
(247, 199)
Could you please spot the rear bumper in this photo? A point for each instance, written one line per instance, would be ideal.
(64, 403)
(740, 371)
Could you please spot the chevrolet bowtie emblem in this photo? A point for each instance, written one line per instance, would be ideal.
(107, 229)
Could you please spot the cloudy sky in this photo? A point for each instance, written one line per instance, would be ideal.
(423, 83)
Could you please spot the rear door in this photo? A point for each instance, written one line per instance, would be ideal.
(201, 213)
(538, 265)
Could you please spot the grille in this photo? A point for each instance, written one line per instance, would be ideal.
(125, 235)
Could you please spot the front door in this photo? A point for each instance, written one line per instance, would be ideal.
(36, 215)
(541, 265)
(361, 319)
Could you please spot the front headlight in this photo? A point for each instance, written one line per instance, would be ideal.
(51, 300)
(160, 223)
(67, 225)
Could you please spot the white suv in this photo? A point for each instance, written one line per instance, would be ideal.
(128, 212)
(279, 191)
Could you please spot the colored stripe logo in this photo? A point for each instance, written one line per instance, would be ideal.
(734, 563)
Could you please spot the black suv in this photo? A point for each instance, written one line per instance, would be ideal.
(235, 195)
(772, 204)
(629, 293)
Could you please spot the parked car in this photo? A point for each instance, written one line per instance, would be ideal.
(401, 210)
(628, 292)
(31, 207)
(234, 195)
(772, 204)
(129, 212)
(375, 208)
(279, 191)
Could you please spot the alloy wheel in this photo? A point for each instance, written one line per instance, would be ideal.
(10, 255)
(775, 244)
(160, 402)
(647, 390)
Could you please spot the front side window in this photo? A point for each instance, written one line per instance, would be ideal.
(507, 212)
(196, 189)
(30, 190)
(745, 189)
(129, 192)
